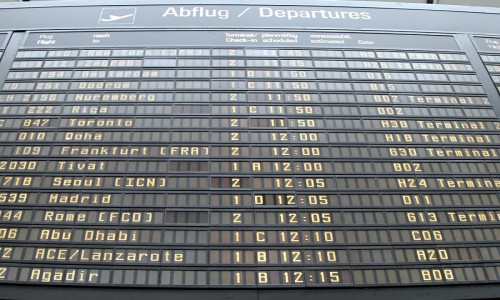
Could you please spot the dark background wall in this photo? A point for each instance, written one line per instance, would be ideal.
(487, 3)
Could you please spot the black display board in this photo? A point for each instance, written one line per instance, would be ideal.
(249, 150)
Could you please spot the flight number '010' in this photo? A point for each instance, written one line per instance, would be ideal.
(31, 136)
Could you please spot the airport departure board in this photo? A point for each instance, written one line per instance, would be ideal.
(298, 149)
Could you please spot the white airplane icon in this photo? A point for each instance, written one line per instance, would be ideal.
(116, 18)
